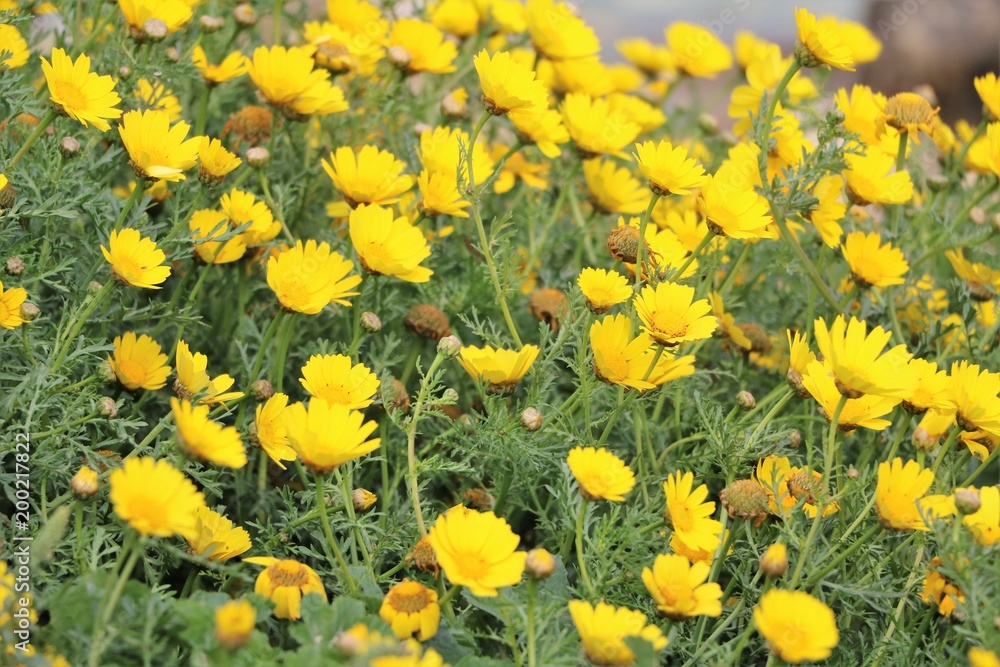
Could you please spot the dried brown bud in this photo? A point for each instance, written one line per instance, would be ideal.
(531, 419)
(14, 266)
(261, 390)
(623, 244)
(745, 499)
(548, 305)
(394, 396)
(69, 147)
(423, 557)
(427, 321)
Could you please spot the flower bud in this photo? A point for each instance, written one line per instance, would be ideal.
(84, 483)
(967, 501)
(173, 55)
(449, 347)
(924, 441)
(245, 15)
(210, 24)
(14, 266)
(795, 438)
(548, 305)
(455, 104)
(107, 407)
(745, 499)
(853, 473)
(8, 195)
(399, 57)
(29, 311)
(540, 564)
(258, 156)
(531, 419)
(234, 623)
(363, 500)
(349, 644)
(746, 401)
(124, 72)
(69, 147)
(427, 321)
(93, 287)
(449, 396)
(774, 560)
(370, 322)
(106, 372)
(479, 498)
(395, 397)
(261, 390)
(938, 183)
(154, 30)
(623, 244)
(708, 124)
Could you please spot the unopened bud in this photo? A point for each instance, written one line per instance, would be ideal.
(774, 561)
(420, 128)
(93, 287)
(924, 441)
(173, 55)
(14, 266)
(853, 473)
(261, 390)
(29, 311)
(154, 30)
(836, 117)
(449, 347)
(108, 407)
(8, 195)
(454, 105)
(210, 24)
(258, 156)
(938, 183)
(124, 72)
(465, 422)
(245, 15)
(363, 500)
(349, 644)
(69, 147)
(370, 322)
(106, 372)
(399, 56)
(746, 401)
(540, 564)
(84, 483)
(531, 419)
(967, 501)
(449, 396)
(795, 438)
(708, 124)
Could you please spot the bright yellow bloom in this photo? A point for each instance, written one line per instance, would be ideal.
(981, 657)
(679, 588)
(669, 169)
(416, 46)
(864, 411)
(595, 128)
(334, 379)
(439, 195)
(648, 117)
(727, 323)
(477, 550)
(271, 431)
(900, 493)
(244, 211)
(929, 387)
(209, 224)
(557, 33)
(796, 626)
(733, 207)
(696, 51)
(327, 435)
(155, 95)
(500, 370)
(864, 46)
(139, 363)
(193, 379)
(910, 113)
(135, 260)
(974, 395)
(651, 58)
(77, 92)
(214, 161)
(856, 360)
(670, 316)
(508, 85)
(820, 42)
(603, 630)
(940, 591)
(234, 623)
(623, 360)
(458, 17)
(340, 50)
(411, 608)
(603, 289)
(441, 152)
(155, 498)
(201, 438)
(787, 485)
(371, 176)
(13, 43)
(982, 281)
(306, 278)
(869, 180)
(544, 129)
(389, 246)
(215, 538)
(985, 523)
(689, 513)
(612, 189)
(288, 80)
(157, 150)
(873, 264)
(988, 87)
(173, 13)
(600, 474)
(763, 73)
(232, 66)
(517, 167)
(285, 581)
(829, 211)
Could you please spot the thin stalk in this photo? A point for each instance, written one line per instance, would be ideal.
(532, 603)
(259, 360)
(32, 138)
(411, 442)
(579, 547)
(201, 120)
(982, 466)
(135, 197)
(96, 646)
(897, 210)
(325, 520)
(945, 449)
(679, 273)
(907, 417)
(864, 540)
(349, 506)
(77, 324)
(640, 256)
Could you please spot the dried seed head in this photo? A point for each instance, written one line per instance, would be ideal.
(423, 557)
(251, 124)
(14, 266)
(745, 499)
(479, 498)
(394, 396)
(427, 321)
(548, 305)
(623, 244)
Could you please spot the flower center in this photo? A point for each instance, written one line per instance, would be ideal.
(681, 517)
(133, 372)
(128, 270)
(334, 394)
(409, 598)
(288, 573)
(473, 566)
(293, 293)
(613, 366)
(669, 324)
(150, 511)
(70, 97)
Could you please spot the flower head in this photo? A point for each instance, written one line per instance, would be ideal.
(604, 629)
(201, 438)
(900, 492)
(928, 387)
(829, 210)
(612, 189)
(679, 587)
(173, 14)
(157, 150)
(287, 78)
(856, 359)
(477, 550)
(940, 591)
(411, 609)
(974, 395)
(326, 436)
(869, 180)
(910, 113)
(796, 626)
(670, 315)
(866, 411)
(697, 51)
(13, 43)
(985, 522)
(232, 66)
(139, 363)
(271, 430)
(873, 264)
(595, 128)
(501, 370)
(603, 289)
(234, 623)
(988, 87)
(155, 498)
(733, 207)
(508, 85)
(600, 474)
(689, 513)
(543, 128)
(306, 278)
(557, 33)
(334, 379)
(214, 161)
(820, 43)
(207, 224)
(82, 95)
(370, 176)
(135, 260)
(416, 46)
(668, 168)
(982, 281)
(387, 245)
(193, 379)
(439, 195)
(215, 538)
(11, 300)
(285, 581)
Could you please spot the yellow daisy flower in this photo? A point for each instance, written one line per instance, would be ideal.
(600, 474)
(829, 210)
(232, 66)
(201, 438)
(155, 498)
(613, 190)
(288, 79)
(77, 92)
(988, 87)
(626, 361)
(439, 195)
(208, 224)
(669, 169)
(820, 43)
(688, 512)
(508, 85)
(733, 207)
(285, 582)
(940, 591)
(139, 363)
(864, 46)
(579, 75)
(981, 657)
(371, 176)
(155, 95)
(796, 626)
(557, 33)
(10, 306)
(651, 58)
(595, 128)
(542, 128)
(603, 630)
(193, 379)
(697, 51)
(500, 370)
(603, 289)
(234, 623)
(306, 278)
(516, 167)
(411, 608)
(333, 378)
(855, 358)
(985, 522)
(864, 411)
(389, 246)
(873, 264)
(173, 13)
(244, 211)
(929, 387)
(727, 323)
(477, 550)
(974, 396)
(327, 435)
(648, 117)
(441, 151)
(869, 180)
(214, 161)
(135, 260)
(157, 150)
(910, 113)
(14, 44)
(900, 493)
(270, 430)
(670, 315)
(982, 281)
(679, 588)
(416, 46)
(338, 49)
(215, 538)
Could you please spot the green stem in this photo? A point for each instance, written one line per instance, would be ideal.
(349, 506)
(201, 120)
(864, 540)
(32, 138)
(915, 572)
(579, 547)
(982, 466)
(532, 603)
(640, 255)
(135, 197)
(277, 20)
(945, 449)
(907, 417)
(325, 520)
(772, 413)
(411, 442)
(259, 360)
(679, 273)
(97, 646)
(284, 342)
(897, 210)
(77, 323)
(734, 269)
